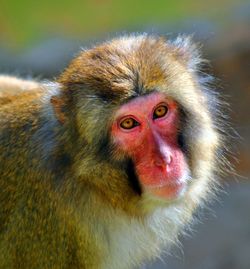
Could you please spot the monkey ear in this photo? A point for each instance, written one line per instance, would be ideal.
(58, 104)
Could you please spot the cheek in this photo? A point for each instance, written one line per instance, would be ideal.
(126, 141)
(168, 128)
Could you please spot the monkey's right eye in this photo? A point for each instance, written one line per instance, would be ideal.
(129, 123)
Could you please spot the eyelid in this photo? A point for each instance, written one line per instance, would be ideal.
(127, 117)
(161, 104)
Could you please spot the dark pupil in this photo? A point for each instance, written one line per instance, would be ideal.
(160, 110)
(128, 122)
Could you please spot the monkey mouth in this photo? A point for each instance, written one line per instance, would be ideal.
(165, 188)
(169, 189)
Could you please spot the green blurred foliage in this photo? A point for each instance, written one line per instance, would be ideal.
(27, 21)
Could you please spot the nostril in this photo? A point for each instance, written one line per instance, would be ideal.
(159, 162)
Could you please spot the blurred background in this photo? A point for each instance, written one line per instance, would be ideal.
(38, 39)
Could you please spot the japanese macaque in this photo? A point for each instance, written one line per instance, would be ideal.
(104, 167)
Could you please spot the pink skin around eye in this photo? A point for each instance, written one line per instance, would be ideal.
(153, 145)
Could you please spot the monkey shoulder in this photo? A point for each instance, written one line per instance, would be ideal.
(27, 123)
(12, 88)
(21, 101)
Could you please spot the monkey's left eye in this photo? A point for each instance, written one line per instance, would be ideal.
(160, 111)
(129, 123)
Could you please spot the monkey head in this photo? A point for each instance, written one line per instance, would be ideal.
(145, 119)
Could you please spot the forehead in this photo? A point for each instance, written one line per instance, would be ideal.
(116, 71)
(144, 105)
(141, 104)
(130, 68)
(123, 68)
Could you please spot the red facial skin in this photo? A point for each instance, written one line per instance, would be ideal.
(153, 145)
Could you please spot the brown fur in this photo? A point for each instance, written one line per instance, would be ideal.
(66, 200)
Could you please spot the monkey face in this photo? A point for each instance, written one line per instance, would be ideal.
(144, 113)
(146, 129)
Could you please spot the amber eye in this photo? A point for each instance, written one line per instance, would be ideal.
(160, 112)
(129, 123)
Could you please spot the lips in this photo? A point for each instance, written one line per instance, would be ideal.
(167, 191)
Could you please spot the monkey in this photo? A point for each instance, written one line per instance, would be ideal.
(105, 166)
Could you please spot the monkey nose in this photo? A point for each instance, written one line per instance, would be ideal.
(163, 162)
